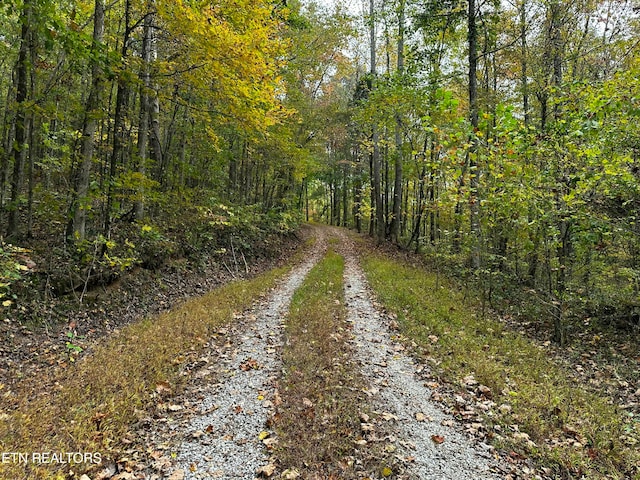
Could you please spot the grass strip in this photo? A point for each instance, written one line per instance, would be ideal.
(572, 432)
(318, 420)
(96, 399)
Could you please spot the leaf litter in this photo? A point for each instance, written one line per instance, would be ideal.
(425, 441)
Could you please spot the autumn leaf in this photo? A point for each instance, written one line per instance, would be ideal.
(163, 388)
(249, 364)
(290, 474)
(438, 439)
(266, 470)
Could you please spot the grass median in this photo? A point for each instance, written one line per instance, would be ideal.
(570, 432)
(318, 420)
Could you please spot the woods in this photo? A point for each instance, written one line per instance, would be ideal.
(138, 130)
(505, 141)
(156, 150)
(496, 138)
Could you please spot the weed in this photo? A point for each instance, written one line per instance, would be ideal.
(573, 431)
(117, 381)
(319, 418)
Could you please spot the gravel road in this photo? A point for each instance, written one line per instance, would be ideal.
(224, 434)
(424, 434)
(224, 439)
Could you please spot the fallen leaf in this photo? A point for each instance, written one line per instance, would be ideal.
(438, 439)
(290, 474)
(266, 470)
(163, 388)
(249, 364)
(420, 417)
(177, 475)
(386, 472)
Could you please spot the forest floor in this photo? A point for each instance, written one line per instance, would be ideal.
(317, 367)
(45, 335)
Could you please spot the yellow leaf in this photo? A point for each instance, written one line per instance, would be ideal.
(263, 435)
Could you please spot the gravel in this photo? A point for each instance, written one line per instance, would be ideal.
(223, 440)
(223, 437)
(397, 392)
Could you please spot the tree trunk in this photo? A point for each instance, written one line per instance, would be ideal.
(397, 186)
(92, 111)
(119, 131)
(474, 202)
(145, 107)
(523, 61)
(19, 148)
(375, 155)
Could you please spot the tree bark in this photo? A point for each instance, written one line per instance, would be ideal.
(474, 203)
(90, 124)
(375, 155)
(19, 148)
(397, 186)
(119, 131)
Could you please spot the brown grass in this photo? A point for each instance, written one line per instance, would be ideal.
(318, 420)
(577, 434)
(97, 399)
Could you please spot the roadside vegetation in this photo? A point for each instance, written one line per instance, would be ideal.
(91, 405)
(529, 405)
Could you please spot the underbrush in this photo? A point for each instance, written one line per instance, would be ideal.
(93, 403)
(539, 411)
(195, 230)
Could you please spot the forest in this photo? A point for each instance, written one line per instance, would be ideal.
(484, 155)
(497, 138)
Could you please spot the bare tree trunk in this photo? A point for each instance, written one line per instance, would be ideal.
(357, 193)
(523, 61)
(19, 148)
(92, 111)
(375, 156)
(474, 203)
(397, 187)
(156, 151)
(119, 130)
(143, 125)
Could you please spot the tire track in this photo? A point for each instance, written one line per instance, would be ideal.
(427, 442)
(223, 439)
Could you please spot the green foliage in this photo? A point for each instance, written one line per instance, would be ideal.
(14, 266)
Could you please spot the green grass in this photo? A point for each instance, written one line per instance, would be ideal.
(318, 420)
(96, 399)
(542, 400)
